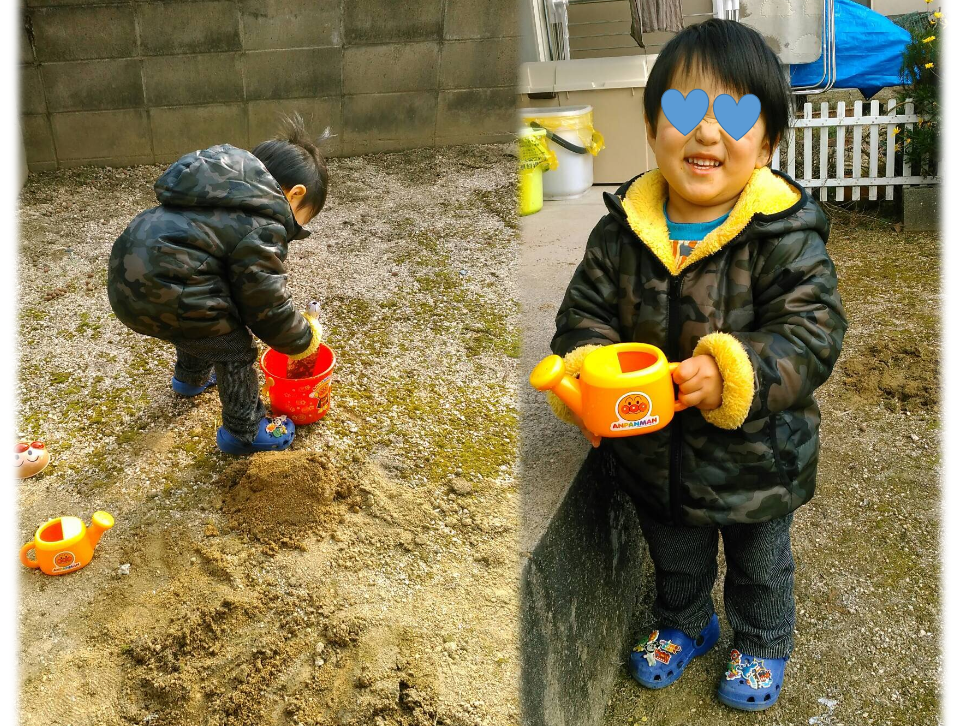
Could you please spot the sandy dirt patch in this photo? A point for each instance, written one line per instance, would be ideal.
(367, 576)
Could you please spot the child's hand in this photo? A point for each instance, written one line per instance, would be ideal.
(700, 382)
(591, 437)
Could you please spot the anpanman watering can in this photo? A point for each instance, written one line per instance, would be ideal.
(65, 544)
(624, 389)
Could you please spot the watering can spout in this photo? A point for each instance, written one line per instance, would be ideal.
(550, 375)
(99, 523)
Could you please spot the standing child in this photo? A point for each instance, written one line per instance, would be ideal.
(722, 263)
(204, 271)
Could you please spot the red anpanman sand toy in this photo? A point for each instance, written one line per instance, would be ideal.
(300, 388)
(30, 458)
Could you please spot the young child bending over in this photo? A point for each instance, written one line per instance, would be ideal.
(721, 262)
(205, 269)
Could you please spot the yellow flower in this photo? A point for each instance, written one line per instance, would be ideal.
(928, 65)
(930, 39)
(938, 14)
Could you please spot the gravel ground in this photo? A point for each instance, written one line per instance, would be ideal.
(397, 603)
(867, 546)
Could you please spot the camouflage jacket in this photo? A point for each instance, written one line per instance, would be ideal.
(759, 293)
(210, 258)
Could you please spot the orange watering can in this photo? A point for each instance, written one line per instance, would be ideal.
(624, 389)
(65, 544)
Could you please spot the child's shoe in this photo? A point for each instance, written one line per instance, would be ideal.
(661, 660)
(751, 684)
(185, 389)
(275, 434)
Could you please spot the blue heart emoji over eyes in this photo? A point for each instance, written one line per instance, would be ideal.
(685, 113)
(737, 118)
(734, 118)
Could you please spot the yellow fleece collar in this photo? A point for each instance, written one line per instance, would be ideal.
(765, 193)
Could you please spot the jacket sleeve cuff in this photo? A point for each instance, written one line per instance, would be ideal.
(316, 333)
(738, 375)
(572, 362)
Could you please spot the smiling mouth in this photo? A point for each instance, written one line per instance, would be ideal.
(701, 165)
(33, 461)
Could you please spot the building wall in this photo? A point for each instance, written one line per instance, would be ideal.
(119, 82)
(601, 28)
(902, 7)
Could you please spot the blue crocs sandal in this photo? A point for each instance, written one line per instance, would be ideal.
(661, 660)
(275, 434)
(751, 684)
(185, 389)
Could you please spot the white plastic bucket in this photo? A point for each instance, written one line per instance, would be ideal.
(573, 124)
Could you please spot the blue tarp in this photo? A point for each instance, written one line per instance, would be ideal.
(869, 51)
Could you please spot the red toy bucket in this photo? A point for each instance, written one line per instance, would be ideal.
(304, 400)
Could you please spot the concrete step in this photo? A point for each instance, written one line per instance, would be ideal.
(580, 538)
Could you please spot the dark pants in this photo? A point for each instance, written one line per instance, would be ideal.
(757, 591)
(232, 356)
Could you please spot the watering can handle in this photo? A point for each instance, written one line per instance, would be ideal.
(23, 555)
(677, 406)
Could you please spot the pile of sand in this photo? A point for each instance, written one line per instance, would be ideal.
(897, 370)
(280, 497)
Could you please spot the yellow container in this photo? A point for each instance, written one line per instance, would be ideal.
(65, 544)
(534, 158)
(575, 142)
(531, 191)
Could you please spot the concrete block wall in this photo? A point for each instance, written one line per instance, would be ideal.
(119, 82)
(581, 589)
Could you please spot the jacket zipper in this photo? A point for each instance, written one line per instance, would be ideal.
(676, 431)
(673, 344)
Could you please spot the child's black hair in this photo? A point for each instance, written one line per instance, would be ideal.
(292, 157)
(737, 58)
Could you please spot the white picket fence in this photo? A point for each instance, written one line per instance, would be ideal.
(842, 167)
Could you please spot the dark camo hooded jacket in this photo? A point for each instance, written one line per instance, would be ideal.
(209, 259)
(759, 293)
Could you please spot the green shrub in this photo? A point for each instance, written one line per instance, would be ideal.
(921, 72)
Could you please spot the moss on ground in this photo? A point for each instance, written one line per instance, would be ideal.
(86, 325)
(446, 423)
